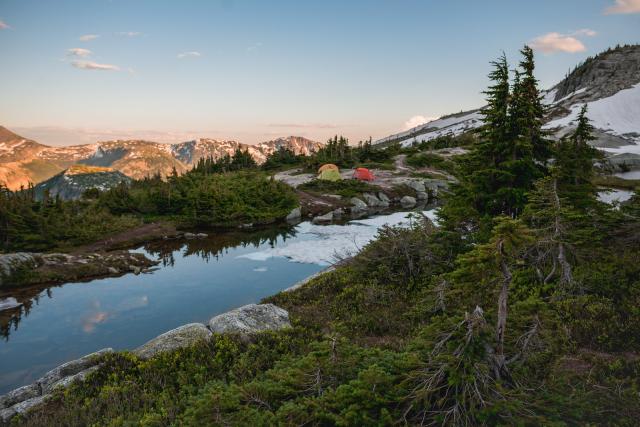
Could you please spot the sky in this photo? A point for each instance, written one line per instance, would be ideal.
(87, 70)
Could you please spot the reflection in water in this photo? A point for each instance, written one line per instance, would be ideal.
(217, 246)
(25, 299)
(213, 247)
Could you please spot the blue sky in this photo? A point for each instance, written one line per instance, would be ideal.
(255, 70)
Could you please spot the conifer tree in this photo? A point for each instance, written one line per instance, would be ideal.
(574, 164)
(510, 153)
(531, 111)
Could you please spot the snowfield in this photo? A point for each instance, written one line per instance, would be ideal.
(319, 244)
(454, 125)
(618, 115)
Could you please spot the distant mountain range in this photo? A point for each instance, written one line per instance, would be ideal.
(609, 83)
(74, 181)
(24, 161)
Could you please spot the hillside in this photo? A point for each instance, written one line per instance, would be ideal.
(74, 181)
(23, 161)
(609, 83)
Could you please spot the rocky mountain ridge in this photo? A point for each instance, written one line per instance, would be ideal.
(24, 161)
(609, 83)
(74, 181)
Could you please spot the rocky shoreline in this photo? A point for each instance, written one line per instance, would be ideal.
(246, 320)
(28, 268)
(333, 208)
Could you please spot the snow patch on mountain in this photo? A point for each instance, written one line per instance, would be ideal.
(454, 125)
(618, 115)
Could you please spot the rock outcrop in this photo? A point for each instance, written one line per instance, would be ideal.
(374, 202)
(20, 400)
(250, 319)
(323, 219)
(295, 214)
(183, 336)
(357, 205)
(24, 268)
(418, 186)
(408, 202)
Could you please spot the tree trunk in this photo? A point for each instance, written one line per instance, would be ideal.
(566, 276)
(502, 312)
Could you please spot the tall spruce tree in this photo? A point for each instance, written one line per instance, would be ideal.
(510, 154)
(530, 114)
(574, 164)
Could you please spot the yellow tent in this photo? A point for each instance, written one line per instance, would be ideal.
(328, 166)
(330, 175)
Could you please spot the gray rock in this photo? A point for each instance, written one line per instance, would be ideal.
(418, 186)
(7, 303)
(358, 205)
(202, 235)
(374, 202)
(22, 407)
(70, 368)
(323, 219)
(408, 202)
(19, 395)
(189, 236)
(422, 195)
(383, 197)
(6, 415)
(113, 270)
(10, 263)
(628, 160)
(251, 318)
(295, 214)
(337, 213)
(67, 381)
(183, 336)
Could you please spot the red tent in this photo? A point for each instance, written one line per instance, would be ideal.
(363, 174)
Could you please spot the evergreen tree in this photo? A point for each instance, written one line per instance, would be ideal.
(242, 159)
(574, 164)
(509, 154)
(531, 112)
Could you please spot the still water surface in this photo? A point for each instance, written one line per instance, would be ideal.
(196, 280)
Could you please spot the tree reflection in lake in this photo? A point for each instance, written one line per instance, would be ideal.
(212, 247)
(216, 246)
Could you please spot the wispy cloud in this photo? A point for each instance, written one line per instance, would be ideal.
(417, 121)
(303, 125)
(4, 25)
(88, 37)
(254, 46)
(192, 53)
(78, 51)
(623, 7)
(89, 65)
(129, 33)
(585, 32)
(557, 42)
